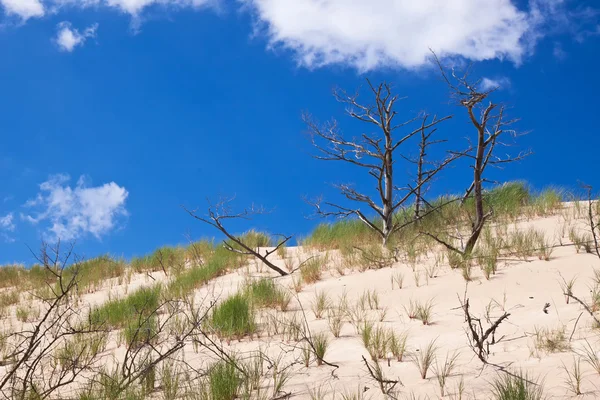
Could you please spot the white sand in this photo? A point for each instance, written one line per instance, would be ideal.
(521, 288)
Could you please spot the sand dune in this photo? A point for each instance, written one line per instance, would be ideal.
(529, 290)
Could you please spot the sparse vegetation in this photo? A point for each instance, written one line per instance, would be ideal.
(420, 311)
(335, 319)
(551, 340)
(261, 304)
(224, 381)
(397, 278)
(251, 315)
(320, 343)
(574, 377)
(320, 304)
(234, 317)
(424, 358)
(397, 344)
(591, 356)
(266, 293)
(516, 387)
(567, 287)
(445, 370)
(116, 314)
(311, 270)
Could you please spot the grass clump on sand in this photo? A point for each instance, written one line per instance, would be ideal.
(342, 234)
(218, 263)
(507, 200)
(9, 298)
(320, 343)
(116, 314)
(255, 239)
(547, 201)
(11, 275)
(265, 293)
(224, 381)
(516, 387)
(551, 340)
(95, 271)
(381, 342)
(234, 317)
(311, 270)
(166, 258)
(141, 331)
(81, 348)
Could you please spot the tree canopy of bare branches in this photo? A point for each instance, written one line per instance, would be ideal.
(376, 154)
(491, 127)
(30, 372)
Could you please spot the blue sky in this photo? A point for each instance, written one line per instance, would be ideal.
(114, 113)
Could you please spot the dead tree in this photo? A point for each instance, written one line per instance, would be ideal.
(45, 356)
(221, 212)
(593, 220)
(426, 169)
(491, 127)
(480, 339)
(375, 153)
(385, 385)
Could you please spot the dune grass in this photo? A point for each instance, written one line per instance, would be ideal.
(253, 239)
(224, 381)
(311, 271)
(342, 234)
(551, 340)
(11, 275)
(80, 348)
(220, 261)
(9, 298)
(320, 343)
(116, 314)
(234, 318)
(517, 386)
(425, 357)
(166, 258)
(143, 329)
(266, 293)
(96, 271)
(509, 201)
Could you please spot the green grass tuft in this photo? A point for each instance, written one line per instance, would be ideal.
(224, 381)
(516, 387)
(118, 313)
(265, 293)
(234, 317)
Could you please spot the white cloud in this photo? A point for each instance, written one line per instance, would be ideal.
(7, 222)
(496, 83)
(130, 6)
(133, 7)
(74, 212)
(7, 225)
(367, 34)
(24, 9)
(68, 38)
(373, 33)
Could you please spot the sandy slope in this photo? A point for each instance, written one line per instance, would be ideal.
(521, 288)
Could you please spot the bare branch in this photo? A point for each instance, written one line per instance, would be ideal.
(375, 153)
(220, 212)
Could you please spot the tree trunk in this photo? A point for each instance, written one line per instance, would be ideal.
(478, 193)
(388, 207)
